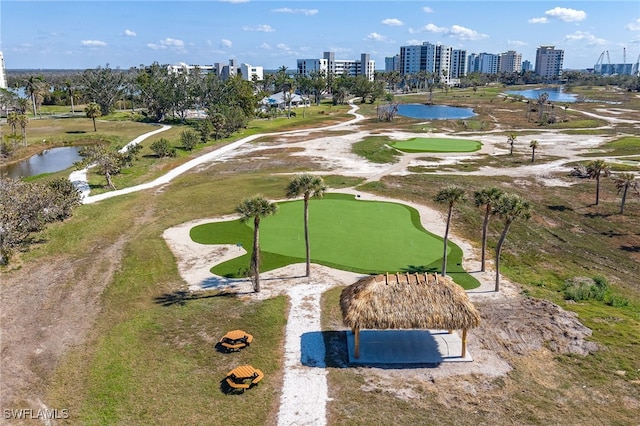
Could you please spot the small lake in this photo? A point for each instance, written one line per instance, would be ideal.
(555, 94)
(434, 112)
(49, 161)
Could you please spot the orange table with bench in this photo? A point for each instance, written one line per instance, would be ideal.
(236, 340)
(238, 377)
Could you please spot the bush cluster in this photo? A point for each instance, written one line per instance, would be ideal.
(596, 288)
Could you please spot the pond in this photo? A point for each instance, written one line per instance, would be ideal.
(434, 112)
(556, 94)
(48, 161)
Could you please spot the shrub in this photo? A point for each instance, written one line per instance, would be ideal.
(189, 139)
(162, 148)
(596, 288)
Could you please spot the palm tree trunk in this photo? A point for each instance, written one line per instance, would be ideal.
(446, 236)
(255, 256)
(109, 181)
(94, 125)
(597, 190)
(533, 154)
(503, 236)
(485, 228)
(33, 100)
(306, 234)
(624, 199)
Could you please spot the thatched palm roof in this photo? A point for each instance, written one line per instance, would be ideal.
(404, 301)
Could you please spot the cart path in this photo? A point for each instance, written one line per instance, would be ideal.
(304, 391)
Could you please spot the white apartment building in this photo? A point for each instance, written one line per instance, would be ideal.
(510, 61)
(549, 61)
(222, 70)
(442, 62)
(329, 64)
(3, 73)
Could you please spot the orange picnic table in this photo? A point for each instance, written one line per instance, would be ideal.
(244, 377)
(236, 340)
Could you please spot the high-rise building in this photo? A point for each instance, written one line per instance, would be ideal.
(549, 61)
(3, 73)
(510, 62)
(442, 62)
(329, 64)
(458, 64)
(484, 63)
(392, 63)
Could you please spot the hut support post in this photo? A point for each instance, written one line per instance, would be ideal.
(464, 343)
(356, 336)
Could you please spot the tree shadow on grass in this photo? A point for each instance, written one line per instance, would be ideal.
(557, 208)
(419, 269)
(630, 249)
(181, 297)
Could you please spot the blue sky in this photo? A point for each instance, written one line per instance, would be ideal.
(87, 34)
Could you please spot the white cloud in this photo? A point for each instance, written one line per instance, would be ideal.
(130, 33)
(462, 33)
(226, 43)
(393, 22)
(427, 9)
(234, 1)
(538, 21)
(265, 46)
(307, 12)
(455, 31)
(93, 43)
(516, 43)
(566, 15)
(172, 42)
(260, 28)
(167, 43)
(585, 36)
(376, 37)
(413, 42)
(633, 26)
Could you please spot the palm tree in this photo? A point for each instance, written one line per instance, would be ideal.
(23, 120)
(509, 207)
(488, 198)
(93, 110)
(624, 181)
(12, 120)
(511, 139)
(596, 169)
(68, 85)
(307, 186)
(34, 87)
(533, 145)
(450, 195)
(256, 208)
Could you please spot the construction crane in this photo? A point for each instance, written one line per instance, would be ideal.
(599, 66)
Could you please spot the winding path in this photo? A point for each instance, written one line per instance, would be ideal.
(79, 178)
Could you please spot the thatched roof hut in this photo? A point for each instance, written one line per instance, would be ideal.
(407, 301)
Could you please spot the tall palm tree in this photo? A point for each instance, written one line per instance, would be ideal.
(624, 182)
(510, 207)
(68, 85)
(596, 169)
(487, 197)
(511, 139)
(34, 86)
(93, 111)
(533, 145)
(450, 195)
(256, 208)
(12, 120)
(308, 186)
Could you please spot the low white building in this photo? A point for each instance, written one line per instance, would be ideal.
(282, 99)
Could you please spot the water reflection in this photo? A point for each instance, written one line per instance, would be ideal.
(49, 161)
(556, 94)
(434, 112)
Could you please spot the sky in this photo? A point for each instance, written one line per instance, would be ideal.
(123, 34)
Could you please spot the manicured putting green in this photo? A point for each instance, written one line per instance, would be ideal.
(345, 233)
(437, 145)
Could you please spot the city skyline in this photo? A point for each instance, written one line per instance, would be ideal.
(271, 34)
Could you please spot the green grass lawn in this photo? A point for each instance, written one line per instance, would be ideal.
(345, 233)
(437, 145)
